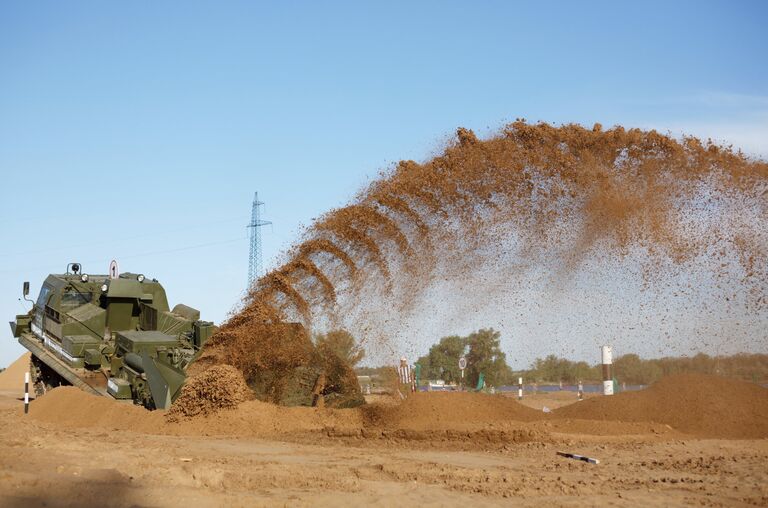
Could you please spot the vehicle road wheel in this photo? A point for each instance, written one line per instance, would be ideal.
(43, 378)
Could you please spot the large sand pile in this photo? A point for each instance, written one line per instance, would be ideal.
(697, 404)
(12, 378)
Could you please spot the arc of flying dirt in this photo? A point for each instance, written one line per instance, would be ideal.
(306, 264)
(344, 230)
(425, 262)
(322, 245)
(399, 205)
(511, 168)
(412, 179)
(257, 310)
(279, 282)
(370, 218)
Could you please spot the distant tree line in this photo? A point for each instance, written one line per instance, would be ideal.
(482, 350)
(632, 369)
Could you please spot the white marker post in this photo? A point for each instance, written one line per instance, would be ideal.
(26, 392)
(519, 388)
(462, 366)
(607, 360)
(581, 390)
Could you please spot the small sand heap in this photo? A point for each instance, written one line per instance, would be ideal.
(220, 387)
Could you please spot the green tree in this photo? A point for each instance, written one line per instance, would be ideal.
(343, 344)
(485, 355)
(442, 361)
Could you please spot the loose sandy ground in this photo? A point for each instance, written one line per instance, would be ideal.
(67, 461)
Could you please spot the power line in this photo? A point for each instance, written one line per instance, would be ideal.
(180, 249)
(101, 244)
(142, 254)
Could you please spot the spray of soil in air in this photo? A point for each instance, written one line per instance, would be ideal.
(540, 224)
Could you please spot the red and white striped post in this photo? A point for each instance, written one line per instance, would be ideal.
(519, 388)
(26, 392)
(405, 374)
(607, 360)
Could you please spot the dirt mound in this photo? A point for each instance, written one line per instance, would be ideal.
(220, 387)
(701, 406)
(441, 410)
(697, 404)
(12, 378)
(479, 428)
(71, 406)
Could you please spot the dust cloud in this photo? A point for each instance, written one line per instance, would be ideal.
(561, 237)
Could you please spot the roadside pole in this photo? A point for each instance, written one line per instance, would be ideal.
(26, 392)
(607, 360)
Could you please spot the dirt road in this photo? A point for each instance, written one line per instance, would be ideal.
(49, 464)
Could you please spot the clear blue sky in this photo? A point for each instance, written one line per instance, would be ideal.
(140, 130)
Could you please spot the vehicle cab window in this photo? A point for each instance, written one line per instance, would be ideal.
(73, 298)
(42, 300)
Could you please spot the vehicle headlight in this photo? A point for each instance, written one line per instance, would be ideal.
(84, 277)
(104, 288)
(140, 278)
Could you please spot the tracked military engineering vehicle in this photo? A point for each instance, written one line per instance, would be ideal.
(110, 335)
